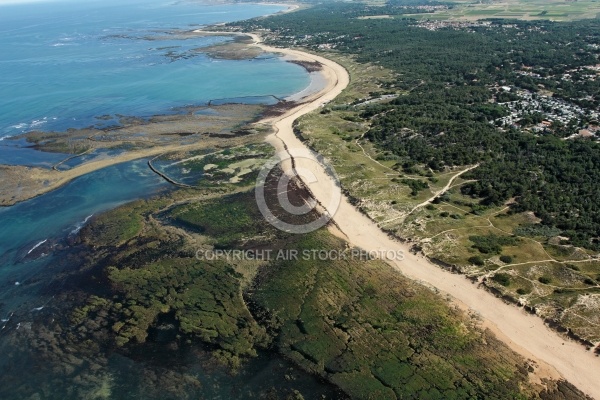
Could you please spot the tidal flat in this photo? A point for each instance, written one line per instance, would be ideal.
(89, 149)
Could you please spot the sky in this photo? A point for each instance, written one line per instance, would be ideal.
(7, 2)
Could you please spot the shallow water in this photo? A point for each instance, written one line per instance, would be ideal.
(21, 153)
(63, 65)
(31, 228)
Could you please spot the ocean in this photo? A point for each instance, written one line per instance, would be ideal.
(63, 64)
(69, 64)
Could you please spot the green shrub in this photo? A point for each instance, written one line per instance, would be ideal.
(492, 244)
(537, 230)
(477, 260)
(544, 279)
(416, 185)
(506, 259)
(502, 278)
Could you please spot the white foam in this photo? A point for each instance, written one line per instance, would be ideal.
(38, 122)
(80, 225)
(35, 247)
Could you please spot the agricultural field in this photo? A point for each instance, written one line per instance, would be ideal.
(555, 10)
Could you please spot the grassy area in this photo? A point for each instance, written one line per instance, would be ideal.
(378, 335)
(383, 189)
(117, 226)
(216, 167)
(556, 10)
(232, 221)
(532, 256)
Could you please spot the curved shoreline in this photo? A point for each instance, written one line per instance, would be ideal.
(524, 333)
(41, 181)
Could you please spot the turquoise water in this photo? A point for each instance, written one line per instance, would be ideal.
(64, 63)
(60, 212)
(32, 231)
(19, 152)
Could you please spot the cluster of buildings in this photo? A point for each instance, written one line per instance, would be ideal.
(305, 40)
(552, 110)
(588, 72)
(426, 8)
(434, 25)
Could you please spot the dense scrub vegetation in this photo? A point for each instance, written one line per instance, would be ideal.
(449, 81)
(356, 323)
(377, 335)
(492, 244)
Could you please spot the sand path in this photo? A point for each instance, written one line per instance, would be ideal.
(524, 333)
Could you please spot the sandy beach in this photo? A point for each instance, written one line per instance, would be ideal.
(524, 333)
